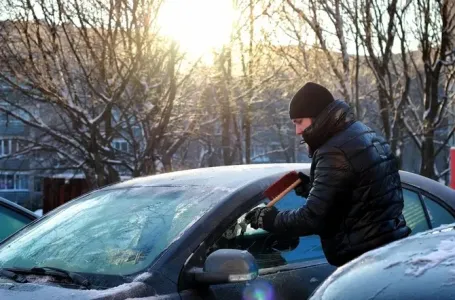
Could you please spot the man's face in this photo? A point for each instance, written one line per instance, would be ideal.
(301, 125)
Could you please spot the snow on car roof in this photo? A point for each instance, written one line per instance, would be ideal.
(224, 176)
(233, 177)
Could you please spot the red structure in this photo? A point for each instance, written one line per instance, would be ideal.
(452, 167)
(58, 191)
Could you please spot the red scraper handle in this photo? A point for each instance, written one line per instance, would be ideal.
(281, 187)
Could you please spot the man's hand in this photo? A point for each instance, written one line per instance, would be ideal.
(303, 189)
(262, 217)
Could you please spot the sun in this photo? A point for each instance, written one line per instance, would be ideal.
(199, 26)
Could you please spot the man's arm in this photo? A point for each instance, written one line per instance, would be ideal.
(332, 183)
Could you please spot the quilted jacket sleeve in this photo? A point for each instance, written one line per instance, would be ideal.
(332, 183)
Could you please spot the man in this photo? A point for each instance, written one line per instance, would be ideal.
(355, 201)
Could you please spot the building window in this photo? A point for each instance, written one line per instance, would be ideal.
(120, 145)
(258, 150)
(5, 147)
(14, 182)
(5, 117)
(9, 146)
(275, 146)
(38, 184)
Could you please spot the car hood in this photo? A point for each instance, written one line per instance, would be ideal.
(421, 266)
(27, 291)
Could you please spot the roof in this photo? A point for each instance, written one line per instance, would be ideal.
(434, 187)
(224, 176)
(240, 175)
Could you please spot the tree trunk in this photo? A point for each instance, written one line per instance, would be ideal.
(247, 129)
(395, 143)
(433, 73)
(428, 159)
(384, 111)
(167, 163)
(431, 110)
(358, 113)
(225, 127)
(225, 109)
(249, 86)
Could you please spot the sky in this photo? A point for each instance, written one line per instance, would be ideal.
(203, 25)
(198, 25)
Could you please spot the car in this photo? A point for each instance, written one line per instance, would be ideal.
(13, 217)
(418, 267)
(182, 235)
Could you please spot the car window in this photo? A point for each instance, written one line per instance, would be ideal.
(268, 249)
(271, 251)
(438, 215)
(309, 247)
(413, 212)
(10, 221)
(116, 232)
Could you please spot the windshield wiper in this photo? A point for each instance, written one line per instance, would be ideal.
(75, 277)
(13, 276)
(51, 271)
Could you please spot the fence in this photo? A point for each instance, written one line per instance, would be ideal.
(57, 191)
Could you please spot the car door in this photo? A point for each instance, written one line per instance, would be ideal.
(288, 267)
(11, 220)
(438, 213)
(414, 211)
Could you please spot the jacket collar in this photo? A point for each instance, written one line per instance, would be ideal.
(336, 117)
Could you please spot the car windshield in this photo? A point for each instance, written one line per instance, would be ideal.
(110, 232)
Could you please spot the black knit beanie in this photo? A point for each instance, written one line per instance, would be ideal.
(309, 101)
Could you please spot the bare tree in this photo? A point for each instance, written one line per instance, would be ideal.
(434, 30)
(232, 103)
(376, 28)
(89, 73)
(332, 19)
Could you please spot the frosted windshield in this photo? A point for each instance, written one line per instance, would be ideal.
(110, 232)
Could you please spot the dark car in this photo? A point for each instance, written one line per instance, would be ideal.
(181, 235)
(418, 267)
(13, 217)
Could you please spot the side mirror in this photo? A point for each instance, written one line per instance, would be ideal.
(226, 266)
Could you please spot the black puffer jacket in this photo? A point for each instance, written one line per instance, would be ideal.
(355, 203)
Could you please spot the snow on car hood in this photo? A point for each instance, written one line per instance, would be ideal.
(40, 289)
(422, 265)
(19, 291)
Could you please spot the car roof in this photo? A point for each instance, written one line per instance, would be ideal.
(222, 176)
(239, 175)
(18, 208)
(417, 267)
(433, 187)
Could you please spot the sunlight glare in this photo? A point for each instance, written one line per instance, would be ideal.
(198, 25)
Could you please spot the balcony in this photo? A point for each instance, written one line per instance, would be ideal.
(13, 127)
